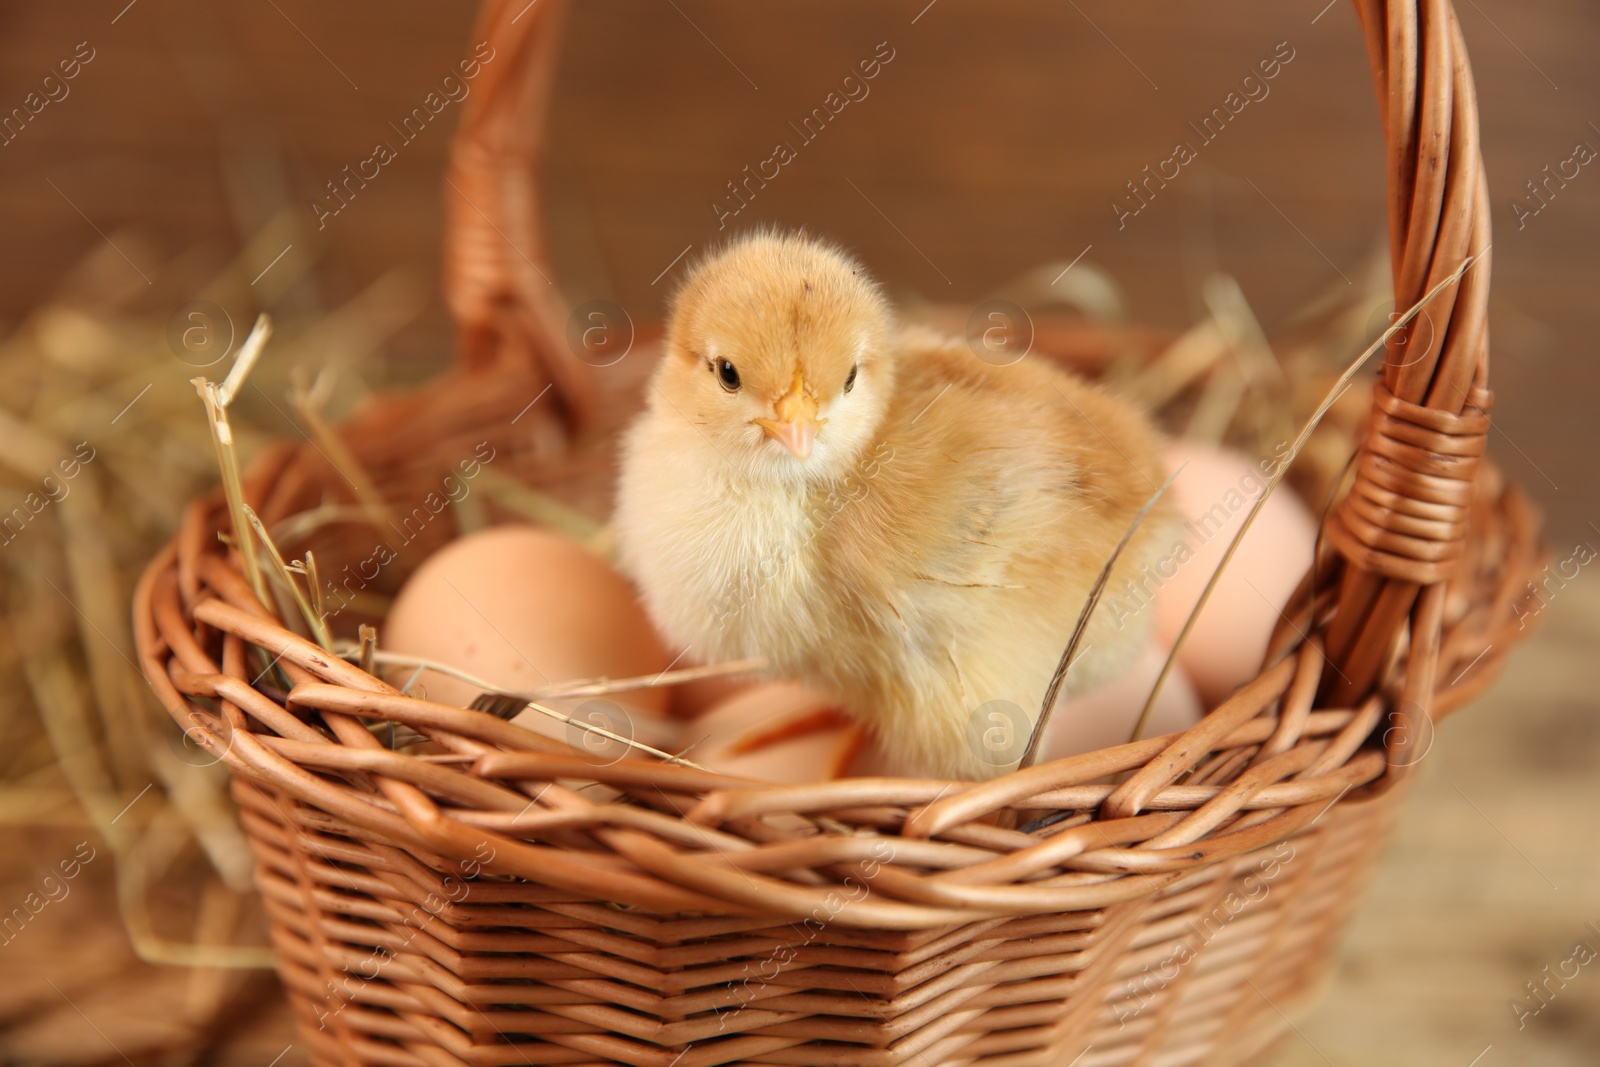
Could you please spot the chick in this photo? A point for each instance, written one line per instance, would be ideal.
(880, 513)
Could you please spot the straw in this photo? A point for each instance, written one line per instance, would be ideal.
(287, 575)
(307, 402)
(232, 488)
(457, 673)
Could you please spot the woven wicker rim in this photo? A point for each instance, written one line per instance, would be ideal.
(1413, 582)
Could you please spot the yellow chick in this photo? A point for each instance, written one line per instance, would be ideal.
(880, 513)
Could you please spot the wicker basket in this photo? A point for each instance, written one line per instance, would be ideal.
(473, 908)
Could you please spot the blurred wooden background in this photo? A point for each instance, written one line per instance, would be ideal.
(996, 139)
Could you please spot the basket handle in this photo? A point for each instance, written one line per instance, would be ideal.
(498, 279)
(1403, 526)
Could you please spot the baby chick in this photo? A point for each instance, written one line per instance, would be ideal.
(880, 513)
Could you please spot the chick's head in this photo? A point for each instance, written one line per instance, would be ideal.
(779, 352)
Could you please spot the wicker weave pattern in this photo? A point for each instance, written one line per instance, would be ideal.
(389, 946)
(476, 908)
(974, 944)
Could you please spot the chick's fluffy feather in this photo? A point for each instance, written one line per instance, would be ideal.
(933, 552)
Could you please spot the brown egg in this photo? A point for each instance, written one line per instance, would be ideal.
(1215, 492)
(772, 732)
(1105, 717)
(523, 608)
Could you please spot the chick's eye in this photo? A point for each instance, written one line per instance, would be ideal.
(727, 374)
(850, 382)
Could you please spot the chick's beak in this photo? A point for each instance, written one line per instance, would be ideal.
(795, 423)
